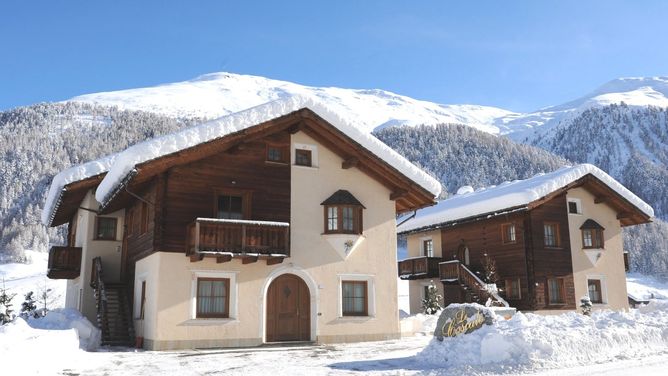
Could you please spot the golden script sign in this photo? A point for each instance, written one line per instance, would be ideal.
(461, 319)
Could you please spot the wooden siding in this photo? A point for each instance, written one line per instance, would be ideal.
(550, 262)
(190, 190)
(485, 236)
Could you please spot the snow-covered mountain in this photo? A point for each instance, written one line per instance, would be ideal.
(217, 94)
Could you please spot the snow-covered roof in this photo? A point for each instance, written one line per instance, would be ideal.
(71, 175)
(148, 150)
(515, 194)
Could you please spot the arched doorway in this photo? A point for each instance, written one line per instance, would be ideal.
(288, 310)
(463, 253)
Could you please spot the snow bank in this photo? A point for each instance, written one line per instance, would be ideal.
(126, 161)
(70, 319)
(536, 341)
(72, 174)
(48, 345)
(515, 194)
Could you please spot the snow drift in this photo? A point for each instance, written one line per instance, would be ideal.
(536, 341)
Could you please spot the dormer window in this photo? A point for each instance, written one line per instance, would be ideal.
(343, 213)
(592, 234)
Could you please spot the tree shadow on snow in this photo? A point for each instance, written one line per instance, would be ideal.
(409, 363)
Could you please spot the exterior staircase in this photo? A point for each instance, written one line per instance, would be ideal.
(472, 289)
(114, 316)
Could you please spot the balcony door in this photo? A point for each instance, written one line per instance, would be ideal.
(232, 204)
(288, 310)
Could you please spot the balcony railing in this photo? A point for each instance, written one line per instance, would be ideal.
(238, 237)
(64, 262)
(419, 267)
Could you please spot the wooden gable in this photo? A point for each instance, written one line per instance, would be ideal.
(406, 193)
(71, 197)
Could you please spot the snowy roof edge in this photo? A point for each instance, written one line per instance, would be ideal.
(514, 194)
(186, 138)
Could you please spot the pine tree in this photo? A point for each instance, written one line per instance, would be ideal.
(489, 267)
(585, 305)
(431, 302)
(28, 307)
(6, 310)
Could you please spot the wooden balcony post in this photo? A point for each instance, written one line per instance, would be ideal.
(197, 235)
(243, 237)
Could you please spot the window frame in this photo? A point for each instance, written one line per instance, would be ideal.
(222, 315)
(308, 153)
(556, 235)
(562, 291)
(509, 289)
(578, 206)
(97, 228)
(246, 200)
(597, 239)
(364, 313)
(357, 219)
(504, 233)
(283, 149)
(425, 249)
(599, 284)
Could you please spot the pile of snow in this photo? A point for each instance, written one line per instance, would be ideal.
(126, 161)
(515, 194)
(643, 287)
(570, 339)
(419, 324)
(47, 345)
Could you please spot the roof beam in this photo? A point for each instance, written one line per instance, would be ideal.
(196, 257)
(623, 215)
(350, 163)
(248, 259)
(223, 258)
(397, 194)
(274, 260)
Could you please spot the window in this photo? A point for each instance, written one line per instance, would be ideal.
(277, 154)
(343, 219)
(592, 234)
(303, 157)
(595, 292)
(551, 234)
(574, 206)
(230, 207)
(144, 218)
(555, 290)
(513, 289)
(428, 247)
(343, 213)
(508, 233)
(105, 228)
(354, 295)
(213, 297)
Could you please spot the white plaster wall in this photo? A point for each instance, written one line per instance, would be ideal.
(610, 265)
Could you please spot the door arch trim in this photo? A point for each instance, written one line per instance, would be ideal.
(313, 294)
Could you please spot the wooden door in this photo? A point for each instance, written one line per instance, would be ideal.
(288, 310)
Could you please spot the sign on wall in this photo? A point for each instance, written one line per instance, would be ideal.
(459, 319)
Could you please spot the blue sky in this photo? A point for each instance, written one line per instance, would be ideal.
(517, 55)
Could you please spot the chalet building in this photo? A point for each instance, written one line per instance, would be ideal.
(554, 238)
(273, 224)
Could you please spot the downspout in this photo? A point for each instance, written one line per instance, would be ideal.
(408, 219)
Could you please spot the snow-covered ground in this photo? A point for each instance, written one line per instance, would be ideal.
(645, 287)
(608, 343)
(21, 278)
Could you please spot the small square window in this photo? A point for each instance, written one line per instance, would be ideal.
(105, 228)
(303, 157)
(574, 207)
(278, 154)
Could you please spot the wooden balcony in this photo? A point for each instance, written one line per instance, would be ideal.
(226, 239)
(64, 262)
(419, 267)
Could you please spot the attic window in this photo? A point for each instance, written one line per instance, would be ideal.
(343, 213)
(277, 153)
(592, 234)
(574, 206)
